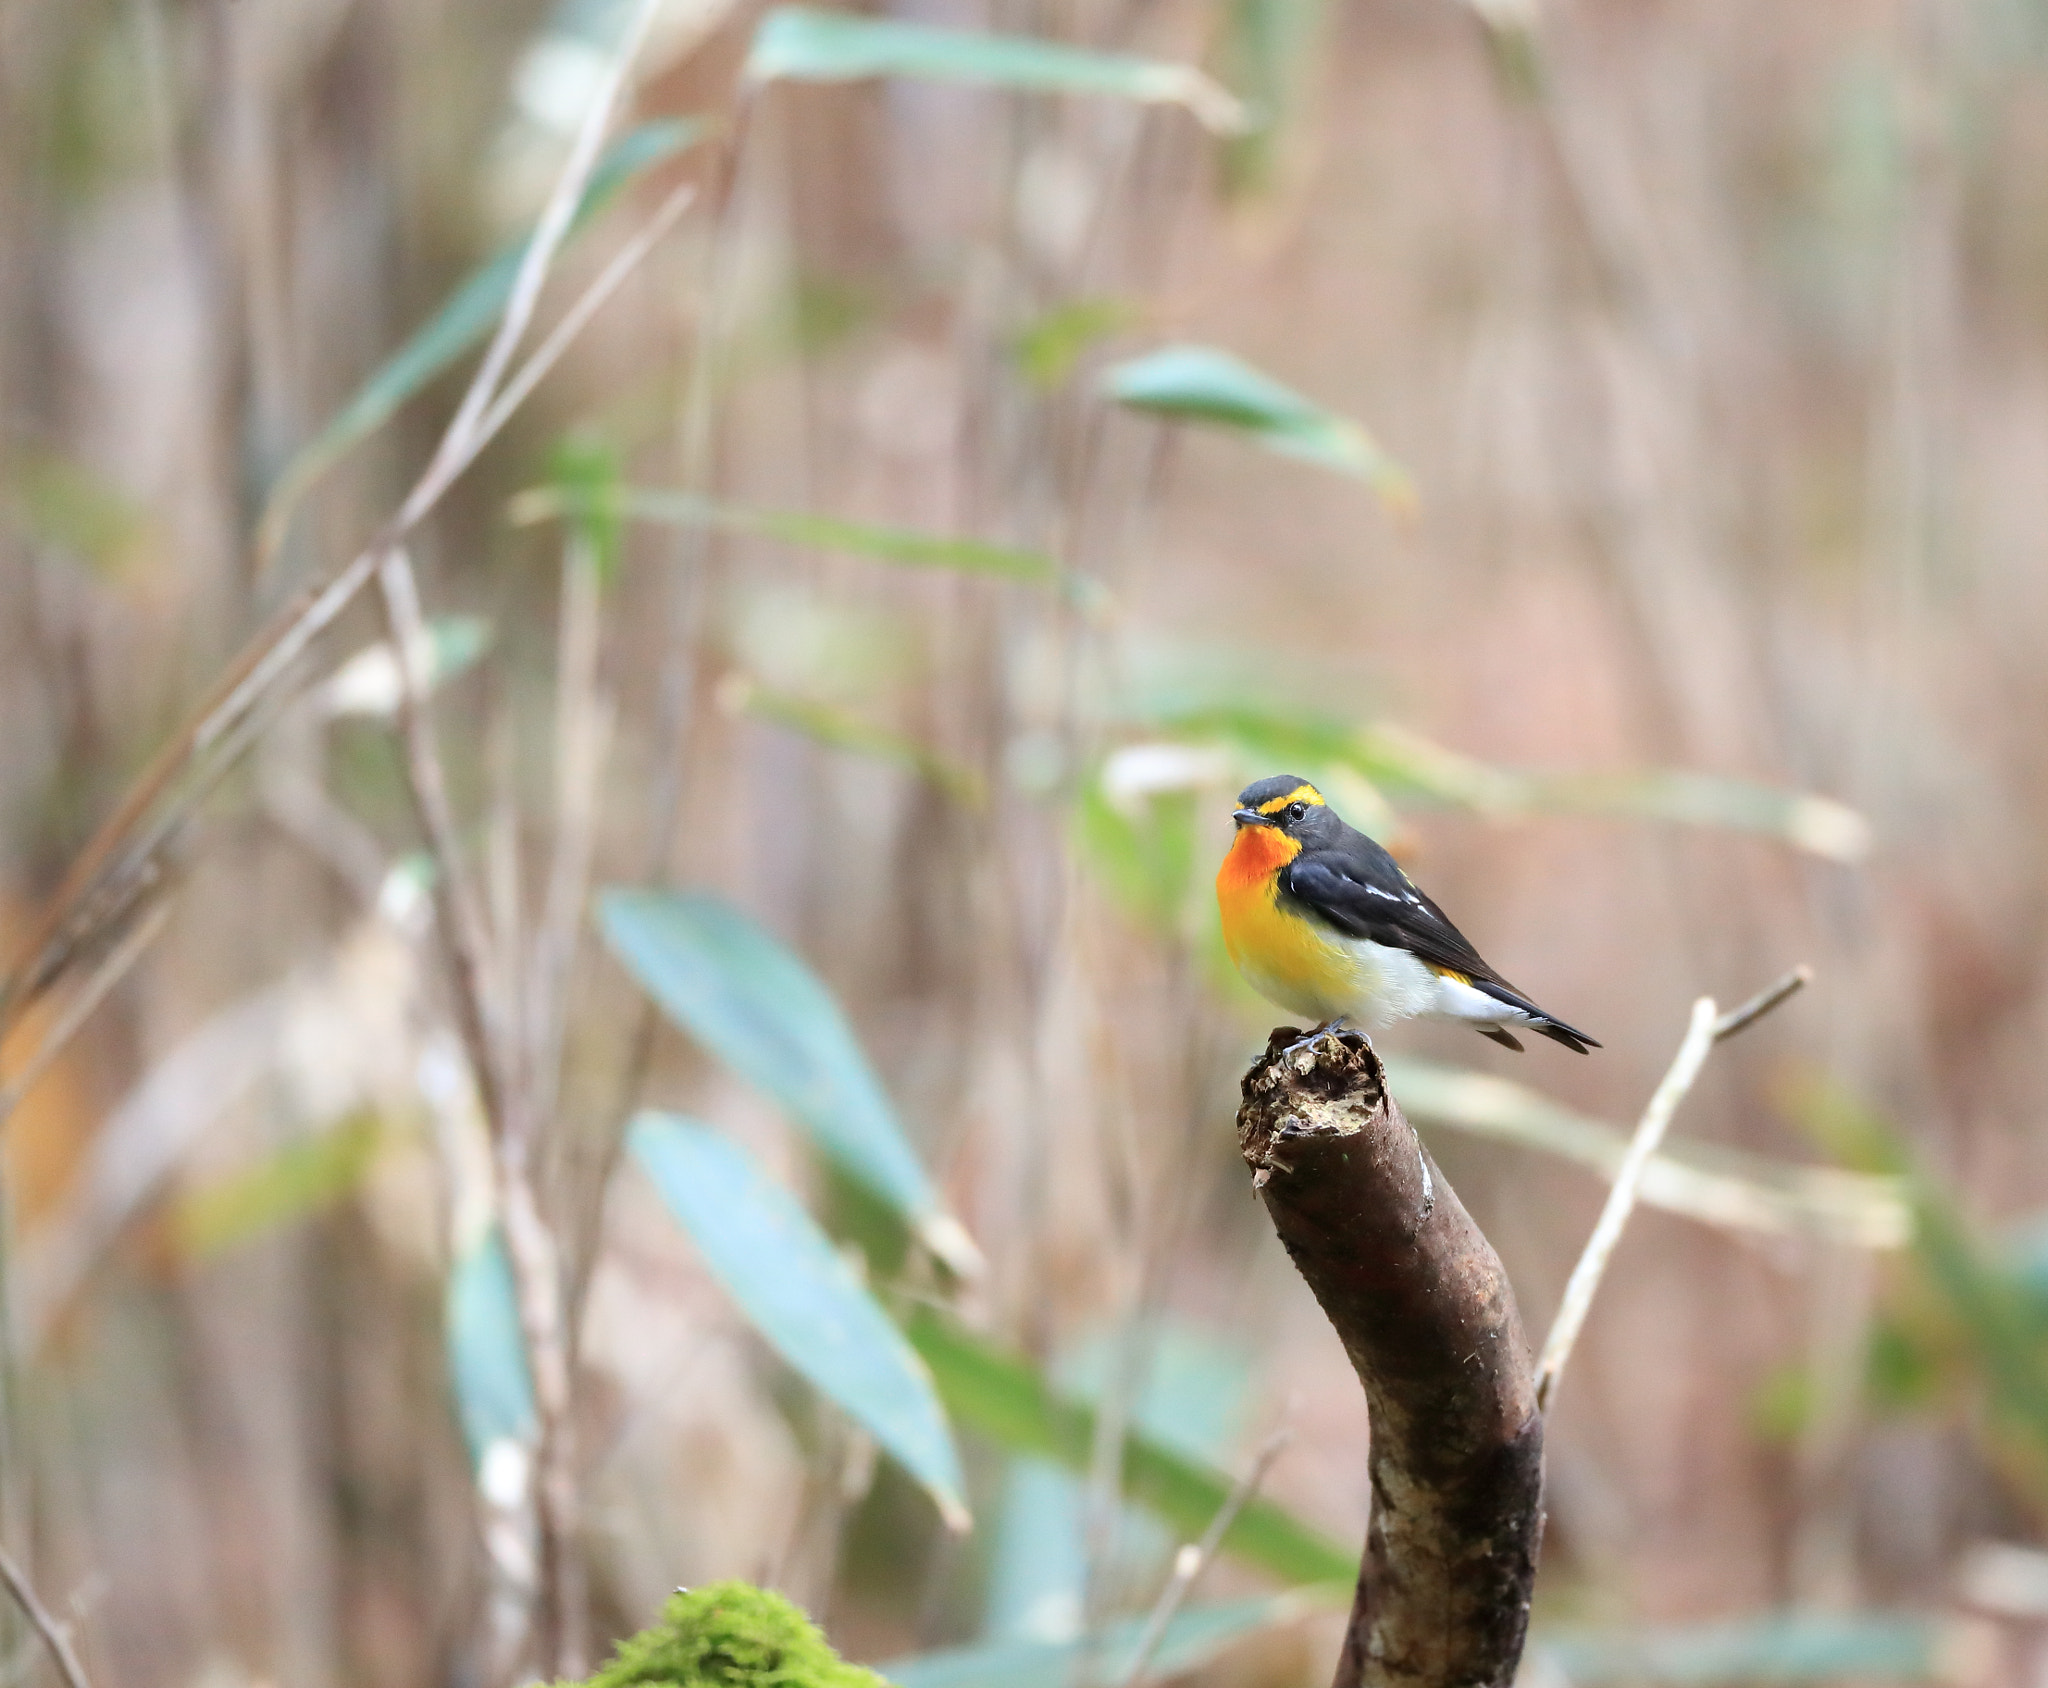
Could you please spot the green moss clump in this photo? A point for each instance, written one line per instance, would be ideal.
(731, 1635)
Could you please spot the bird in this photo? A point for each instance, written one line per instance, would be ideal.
(1319, 919)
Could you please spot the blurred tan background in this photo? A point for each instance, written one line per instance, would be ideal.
(1714, 338)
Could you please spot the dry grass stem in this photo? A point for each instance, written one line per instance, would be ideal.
(1584, 1282)
(1765, 1000)
(1194, 1557)
(1705, 1031)
(79, 1009)
(586, 305)
(467, 430)
(583, 725)
(56, 1635)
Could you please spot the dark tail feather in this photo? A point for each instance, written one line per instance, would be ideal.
(1570, 1036)
(1544, 1025)
(1502, 1036)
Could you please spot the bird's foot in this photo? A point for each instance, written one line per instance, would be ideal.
(1308, 1040)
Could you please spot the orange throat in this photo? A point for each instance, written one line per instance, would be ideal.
(1257, 855)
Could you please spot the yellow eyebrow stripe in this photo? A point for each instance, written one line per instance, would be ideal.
(1300, 794)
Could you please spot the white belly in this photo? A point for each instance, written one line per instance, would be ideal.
(1393, 984)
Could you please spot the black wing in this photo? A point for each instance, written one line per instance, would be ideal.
(1359, 890)
(1356, 887)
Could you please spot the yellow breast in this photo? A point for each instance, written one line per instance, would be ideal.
(1283, 956)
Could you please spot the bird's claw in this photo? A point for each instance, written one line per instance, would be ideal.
(1308, 1040)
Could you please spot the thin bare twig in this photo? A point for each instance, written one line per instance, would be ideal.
(1584, 1283)
(459, 917)
(1194, 1557)
(694, 475)
(56, 1634)
(675, 703)
(1741, 1019)
(464, 429)
(586, 305)
(583, 721)
(1705, 1031)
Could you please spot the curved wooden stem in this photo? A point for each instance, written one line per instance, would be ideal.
(1425, 1312)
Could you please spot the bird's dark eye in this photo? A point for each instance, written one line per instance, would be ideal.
(1296, 810)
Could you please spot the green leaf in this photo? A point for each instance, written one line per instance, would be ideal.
(825, 724)
(1191, 1640)
(1718, 1186)
(1407, 762)
(57, 501)
(487, 1350)
(1192, 1399)
(464, 320)
(1984, 1293)
(586, 474)
(1776, 1647)
(802, 1296)
(1201, 384)
(1005, 1399)
(1143, 850)
(295, 1182)
(1405, 766)
(1267, 49)
(802, 44)
(796, 527)
(1046, 351)
(1818, 825)
(897, 545)
(746, 998)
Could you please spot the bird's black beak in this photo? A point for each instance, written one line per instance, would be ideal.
(1251, 817)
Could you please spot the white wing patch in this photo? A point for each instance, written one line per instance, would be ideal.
(1456, 1000)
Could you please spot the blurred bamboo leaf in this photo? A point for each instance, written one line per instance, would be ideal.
(1191, 1640)
(803, 44)
(1405, 766)
(587, 474)
(294, 1182)
(1776, 1647)
(796, 527)
(464, 319)
(1143, 848)
(1514, 45)
(1200, 384)
(826, 724)
(1006, 1400)
(1266, 48)
(1047, 349)
(487, 1350)
(802, 1296)
(1718, 1186)
(1192, 1400)
(1818, 825)
(754, 1004)
(1985, 1293)
(1405, 762)
(56, 501)
(369, 683)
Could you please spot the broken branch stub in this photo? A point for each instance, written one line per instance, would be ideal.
(1425, 1313)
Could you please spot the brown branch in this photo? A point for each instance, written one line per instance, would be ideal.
(1429, 1322)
